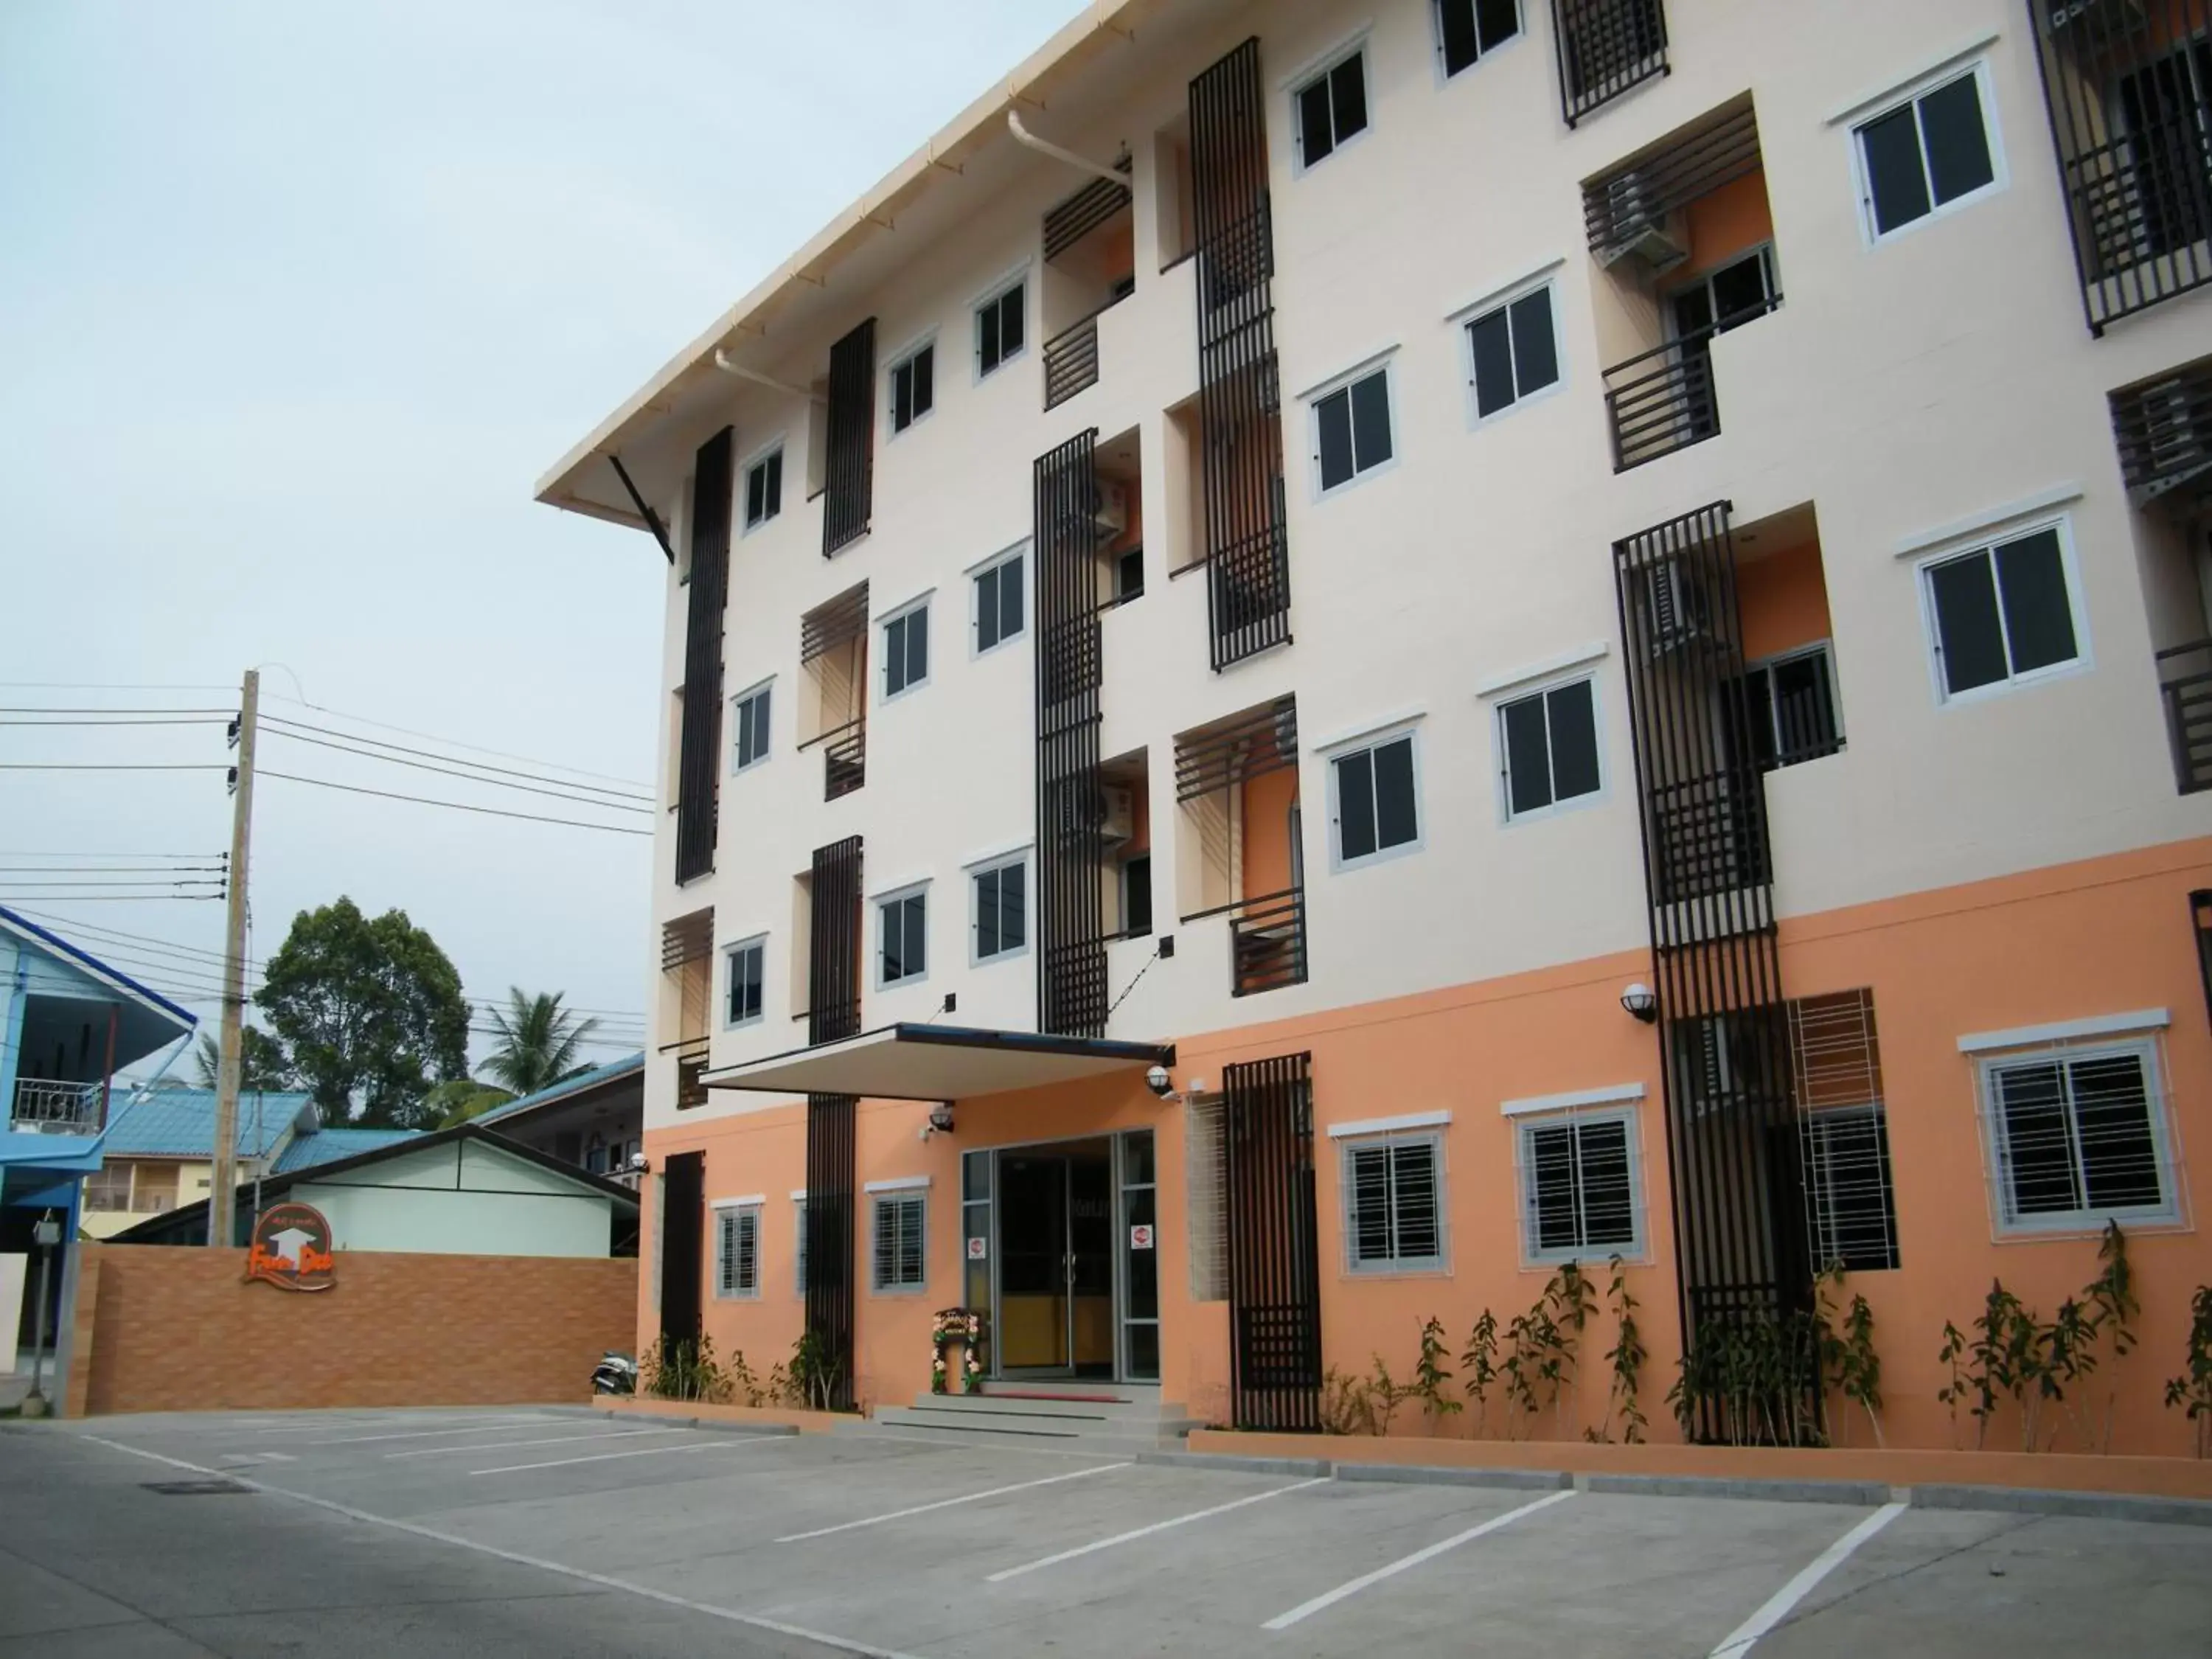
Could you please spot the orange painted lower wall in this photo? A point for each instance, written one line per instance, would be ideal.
(2076, 942)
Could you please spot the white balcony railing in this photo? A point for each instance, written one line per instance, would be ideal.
(45, 1107)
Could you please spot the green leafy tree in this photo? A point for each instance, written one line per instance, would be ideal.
(539, 1041)
(262, 1062)
(371, 1011)
(452, 1103)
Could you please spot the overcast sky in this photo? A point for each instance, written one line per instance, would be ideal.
(297, 300)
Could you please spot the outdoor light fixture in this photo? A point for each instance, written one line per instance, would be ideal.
(1639, 999)
(638, 1164)
(940, 1117)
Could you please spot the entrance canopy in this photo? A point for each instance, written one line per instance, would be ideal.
(939, 1062)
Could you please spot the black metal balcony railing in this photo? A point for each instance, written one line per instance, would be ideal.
(1662, 400)
(2129, 86)
(1267, 943)
(844, 757)
(1071, 356)
(1606, 47)
(690, 1072)
(2185, 685)
(2163, 430)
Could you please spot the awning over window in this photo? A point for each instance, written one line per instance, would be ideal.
(939, 1062)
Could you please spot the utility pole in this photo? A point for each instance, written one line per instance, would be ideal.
(222, 1191)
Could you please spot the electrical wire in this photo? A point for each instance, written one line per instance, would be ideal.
(459, 806)
(195, 719)
(107, 685)
(453, 742)
(222, 714)
(467, 777)
(193, 857)
(101, 881)
(112, 869)
(108, 766)
(126, 899)
(631, 791)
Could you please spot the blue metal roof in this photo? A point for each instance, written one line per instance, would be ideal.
(180, 1123)
(611, 1071)
(328, 1146)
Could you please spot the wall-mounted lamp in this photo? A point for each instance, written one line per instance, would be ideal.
(1640, 1001)
(638, 1165)
(940, 1120)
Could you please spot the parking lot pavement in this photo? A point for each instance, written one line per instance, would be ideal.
(539, 1521)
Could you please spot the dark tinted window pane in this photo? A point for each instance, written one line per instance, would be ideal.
(1893, 164)
(1528, 756)
(755, 494)
(1493, 362)
(1143, 1352)
(1355, 796)
(894, 656)
(1740, 289)
(914, 936)
(975, 1182)
(1010, 599)
(1013, 906)
(1370, 421)
(1966, 622)
(1348, 85)
(2111, 1119)
(1370, 1204)
(2032, 580)
(1496, 21)
(1129, 575)
(2036, 1145)
(986, 913)
(1552, 1174)
(986, 336)
(1142, 1291)
(1958, 143)
(987, 609)
(917, 645)
(1395, 820)
(925, 381)
(1314, 133)
(1608, 1212)
(1137, 1164)
(1804, 708)
(1334, 413)
(1535, 353)
(1461, 40)
(1137, 890)
(901, 397)
(775, 469)
(1574, 740)
(1010, 321)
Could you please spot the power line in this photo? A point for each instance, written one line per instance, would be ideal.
(454, 772)
(108, 766)
(111, 870)
(105, 685)
(127, 881)
(633, 791)
(224, 713)
(193, 720)
(459, 806)
(115, 855)
(454, 742)
(126, 898)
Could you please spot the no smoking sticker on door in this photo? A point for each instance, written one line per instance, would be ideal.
(978, 1248)
(1140, 1236)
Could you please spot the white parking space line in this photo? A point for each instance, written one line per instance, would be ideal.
(948, 1502)
(711, 1442)
(483, 1426)
(1307, 1609)
(506, 1445)
(862, 1649)
(1778, 1606)
(1146, 1532)
(328, 1424)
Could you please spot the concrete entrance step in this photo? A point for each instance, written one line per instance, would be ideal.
(1101, 1409)
(893, 1423)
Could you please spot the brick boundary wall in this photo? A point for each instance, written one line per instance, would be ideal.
(174, 1328)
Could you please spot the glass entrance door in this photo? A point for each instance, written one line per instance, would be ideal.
(1056, 1281)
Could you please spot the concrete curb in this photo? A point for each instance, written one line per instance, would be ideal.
(1416, 1474)
(1305, 1466)
(2089, 1505)
(704, 1425)
(1866, 1493)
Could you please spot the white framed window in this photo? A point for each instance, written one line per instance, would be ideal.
(750, 712)
(1351, 427)
(1469, 31)
(798, 1244)
(1393, 1204)
(2078, 1137)
(2005, 613)
(913, 382)
(902, 937)
(1512, 350)
(1328, 107)
(1001, 608)
(999, 904)
(1931, 150)
(1374, 800)
(1549, 751)
(736, 1247)
(1791, 710)
(1580, 1187)
(906, 649)
(764, 487)
(898, 1248)
(744, 968)
(1000, 325)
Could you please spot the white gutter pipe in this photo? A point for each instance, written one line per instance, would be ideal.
(1023, 136)
(722, 361)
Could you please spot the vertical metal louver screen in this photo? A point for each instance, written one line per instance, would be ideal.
(831, 1161)
(1274, 1263)
(1240, 393)
(849, 489)
(1606, 47)
(700, 739)
(1071, 852)
(1733, 1131)
(2129, 86)
(833, 945)
(683, 1243)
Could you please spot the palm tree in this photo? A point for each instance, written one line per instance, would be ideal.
(538, 1042)
(261, 1063)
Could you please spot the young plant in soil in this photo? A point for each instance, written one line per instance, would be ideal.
(2192, 1390)
(1432, 1377)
